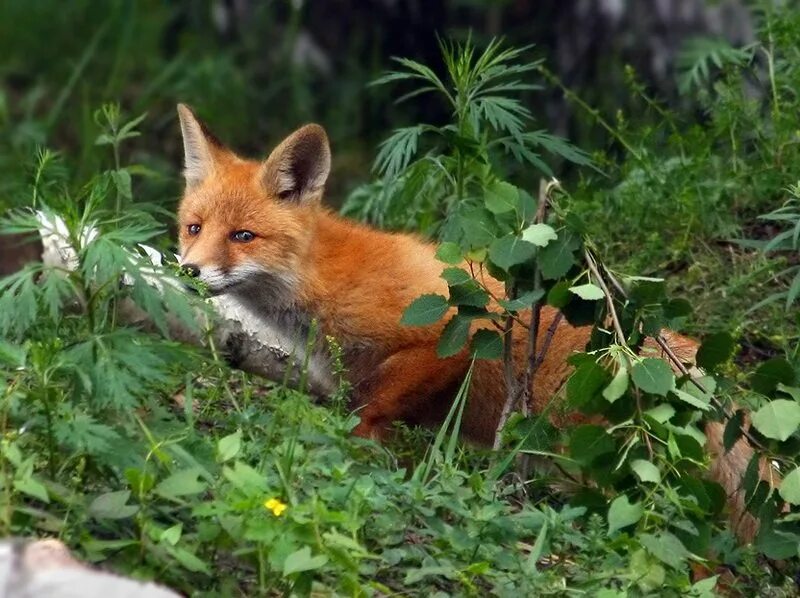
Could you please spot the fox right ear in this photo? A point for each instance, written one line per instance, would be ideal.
(297, 169)
(200, 147)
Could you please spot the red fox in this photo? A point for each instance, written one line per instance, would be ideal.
(257, 230)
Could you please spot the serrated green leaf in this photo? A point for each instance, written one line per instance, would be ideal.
(589, 442)
(654, 376)
(539, 234)
(558, 257)
(524, 301)
(456, 276)
(510, 250)
(715, 350)
(691, 399)
(661, 413)
(468, 294)
(501, 197)
(771, 373)
(617, 386)
(586, 383)
(425, 310)
(790, 487)
(449, 253)
(778, 419)
(588, 292)
(487, 344)
(454, 336)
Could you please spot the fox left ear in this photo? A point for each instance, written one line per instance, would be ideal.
(201, 149)
(297, 169)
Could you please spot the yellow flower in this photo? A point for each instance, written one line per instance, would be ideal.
(276, 506)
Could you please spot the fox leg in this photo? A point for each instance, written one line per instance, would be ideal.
(406, 386)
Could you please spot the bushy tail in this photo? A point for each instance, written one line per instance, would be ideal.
(728, 469)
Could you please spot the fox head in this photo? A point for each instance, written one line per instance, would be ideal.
(246, 225)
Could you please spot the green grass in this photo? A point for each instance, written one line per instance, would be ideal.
(98, 450)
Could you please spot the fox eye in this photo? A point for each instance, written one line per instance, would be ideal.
(193, 229)
(243, 236)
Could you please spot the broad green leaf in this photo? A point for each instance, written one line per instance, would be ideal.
(301, 560)
(524, 301)
(455, 276)
(622, 513)
(245, 478)
(618, 385)
(588, 292)
(510, 250)
(454, 336)
(661, 413)
(646, 471)
(654, 376)
(187, 559)
(588, 442)
(778, 419)
(666, 547)
(539, 234)
(715, 350)
(487, 344)
(32, 487)
(501, 197)
(792, 391)
(585, 383)
(709, 384)
(558, 257)
(181, 483)
(172, 535)
(733, 430)
(468, 293)
(478, 227)
(649, 575)
(228, 447)
(705, 588)
(771, 373)
(449, 253)
(691, 399)
(113, 505)
(790, 487)
(425, 310)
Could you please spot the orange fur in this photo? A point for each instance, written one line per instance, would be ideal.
(305, 262)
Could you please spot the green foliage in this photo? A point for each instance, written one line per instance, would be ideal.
(644, 471)
(433, 174)
(157, 460)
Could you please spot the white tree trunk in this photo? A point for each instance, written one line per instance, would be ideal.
(245, 339)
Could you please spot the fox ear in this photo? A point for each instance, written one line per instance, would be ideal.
(200, 147)
(297, 169)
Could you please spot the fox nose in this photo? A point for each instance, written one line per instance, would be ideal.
(192, 270)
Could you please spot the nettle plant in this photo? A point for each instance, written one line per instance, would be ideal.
(644, 468)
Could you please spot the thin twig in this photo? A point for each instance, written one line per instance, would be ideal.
(508, 369)
(612, 311)
(662, 342)
(551, 330)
